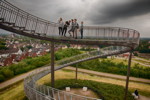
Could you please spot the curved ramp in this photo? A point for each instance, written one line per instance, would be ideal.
(18, 21)
(15, 20)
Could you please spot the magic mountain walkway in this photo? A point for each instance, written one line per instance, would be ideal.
(22, 76)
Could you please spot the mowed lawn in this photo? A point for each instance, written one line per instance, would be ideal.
(16, 92)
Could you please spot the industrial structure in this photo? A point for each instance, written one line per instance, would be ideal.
(118, 40)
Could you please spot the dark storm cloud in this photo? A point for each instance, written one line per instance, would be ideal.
(111, 13)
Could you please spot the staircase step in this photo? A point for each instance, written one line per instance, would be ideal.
(19, 27)
(32, 31)
(39, 34)
(9, 23)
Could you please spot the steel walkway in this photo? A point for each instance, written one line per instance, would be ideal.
(119, 40)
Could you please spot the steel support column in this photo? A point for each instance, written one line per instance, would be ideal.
(128, 75)
(52, 65)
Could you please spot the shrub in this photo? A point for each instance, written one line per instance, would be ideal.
(2, 78)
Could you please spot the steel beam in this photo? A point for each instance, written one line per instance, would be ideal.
(128, 75)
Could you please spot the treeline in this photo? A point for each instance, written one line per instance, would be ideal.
(143, 46)
(108, 66)
(28, 64)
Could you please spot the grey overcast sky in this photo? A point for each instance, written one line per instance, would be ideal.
(133, 14)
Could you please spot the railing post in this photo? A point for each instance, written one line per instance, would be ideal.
(16, 16)
(64, 96)
(128, 75)
(48, 91)
(4, 11)
(128, 35)
(10, 16)
(36, 25)
(0, 8)
(104, 33)
(58, 95)
(52, 64)
(46, 28)
(26, 21)
(134, 35)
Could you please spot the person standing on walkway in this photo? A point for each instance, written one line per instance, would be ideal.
(76, 27)
(60, 27)
(81, 30)
(72, 27)
(65, 28)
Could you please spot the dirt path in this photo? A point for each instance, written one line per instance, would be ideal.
(143, 98)
(141, 63)
(109, 75)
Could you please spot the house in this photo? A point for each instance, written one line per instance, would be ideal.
(1, 61)
(32, 54)
(19, 58)
(8, 61)
(13, 56)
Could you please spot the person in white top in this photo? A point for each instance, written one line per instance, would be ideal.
(61, 24)
(75, 27)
